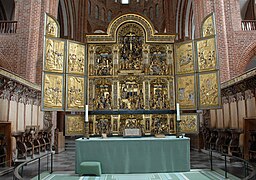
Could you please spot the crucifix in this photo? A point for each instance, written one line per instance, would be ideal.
(130, 35)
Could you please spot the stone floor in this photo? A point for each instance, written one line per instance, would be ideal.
(65, 163)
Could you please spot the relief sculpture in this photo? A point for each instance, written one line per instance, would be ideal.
(186, 92)
(159, 94)
(103, 95)
(208, 27)
(131, 93)
(103, 65)
(102, 124)
(188, 123)
(75, 92)
(131, 41)
(206, 54)
(54, 55)
(74, 125)
(51, 28)
(76, 58)
(208, 90)
(184, 58)
(158, 63)
(160, 124)
(53, 89)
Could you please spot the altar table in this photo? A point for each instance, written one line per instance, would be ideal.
(135, 155)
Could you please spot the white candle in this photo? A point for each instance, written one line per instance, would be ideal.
(178, 112)
(86, 113)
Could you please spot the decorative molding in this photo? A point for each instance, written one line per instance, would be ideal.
(232, 98)
(225, 100)
(240, 96)
(249, 94)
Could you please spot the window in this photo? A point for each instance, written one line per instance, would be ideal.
(109, 16)
(125, 1)
(157, 11)
(89, 7)
(145, 12)
(151, 13)
(97, 14)
(103, 15)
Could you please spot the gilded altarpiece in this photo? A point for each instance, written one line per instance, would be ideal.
(131, 78)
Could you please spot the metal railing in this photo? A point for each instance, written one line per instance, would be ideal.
(246, 169)
(248, 25)
(19, 170)
(8, 27)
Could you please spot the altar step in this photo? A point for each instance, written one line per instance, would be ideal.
(70, 144)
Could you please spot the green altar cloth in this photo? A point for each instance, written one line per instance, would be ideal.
(135, 155)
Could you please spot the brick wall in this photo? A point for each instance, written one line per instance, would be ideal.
(23, 53)
(235, 47)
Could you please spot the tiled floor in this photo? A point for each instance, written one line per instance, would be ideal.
(65, 162)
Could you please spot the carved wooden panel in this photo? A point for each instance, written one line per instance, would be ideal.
(188, 123)
(54, 55)
(206, 54)
(53, 91)
(209, 90)
(51, 26)
(208, 27)
(186, 92)
(74, 125)
(76, 58)
(75, 92)
(185, 62)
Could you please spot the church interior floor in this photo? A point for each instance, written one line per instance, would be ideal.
(64, 163)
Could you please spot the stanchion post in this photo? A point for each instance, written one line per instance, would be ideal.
(38, 176)
(51, 162)
(226, 173)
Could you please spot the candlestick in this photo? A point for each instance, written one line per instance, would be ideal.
(86, 113)
(178, 111)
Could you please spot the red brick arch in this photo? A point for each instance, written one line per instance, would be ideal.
(246, 57)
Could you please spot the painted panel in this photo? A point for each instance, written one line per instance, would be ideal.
(53, 91)
(206, 54)
(76, 58)
(54, 55)
(208, 27)
(51, 26)
(74, 125)
(209, 90)
(185, 92)
(188, 123)
(75, 92)
(184, 61)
